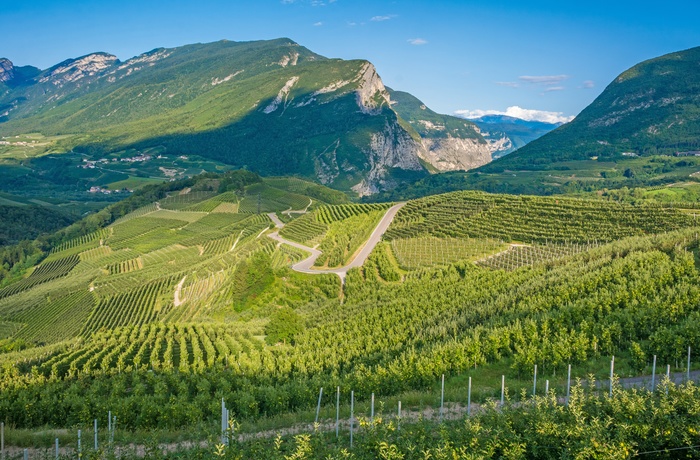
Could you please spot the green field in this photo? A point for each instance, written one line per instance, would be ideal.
(162, 313)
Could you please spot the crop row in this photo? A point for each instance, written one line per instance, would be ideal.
(47, 271)
(171, 347)
(184, 200)
(333, 213)
(305, 229)
(95, 236)
(136, 307)
(429, 251)
(519, 256)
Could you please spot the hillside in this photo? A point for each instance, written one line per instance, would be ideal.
(642, 131)
(451, 143)
(273, 106)
(186, 300)
(507, 134)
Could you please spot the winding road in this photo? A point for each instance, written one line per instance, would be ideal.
(305, 266)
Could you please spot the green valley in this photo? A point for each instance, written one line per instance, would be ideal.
(173, 304)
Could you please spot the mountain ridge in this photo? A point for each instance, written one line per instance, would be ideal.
(327, 119)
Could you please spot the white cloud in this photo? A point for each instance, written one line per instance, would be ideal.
(510, 84)
(547, 80)
(317, 24)
(518, 112)
(382, 18)
(417, 41)
(588, 84)
(554, 88)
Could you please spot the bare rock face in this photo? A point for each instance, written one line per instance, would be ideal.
(371, 93)
(73, 70)
(391, 148)
(7, 70)
(455, 154)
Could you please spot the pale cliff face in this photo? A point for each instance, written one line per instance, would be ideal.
(80, 68)
(7, 70)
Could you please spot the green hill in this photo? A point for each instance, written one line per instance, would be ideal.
(271, 106)
(642, 131)
(170, 305)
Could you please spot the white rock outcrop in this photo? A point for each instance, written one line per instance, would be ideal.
(282, 96)
(7, 70)
(76, 69)
(371, 93)
(455, 153)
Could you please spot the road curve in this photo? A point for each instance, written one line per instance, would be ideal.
(305, 265)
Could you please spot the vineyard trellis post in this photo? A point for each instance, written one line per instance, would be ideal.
(337, 413)
(568, 385)
(224, 418)
(372, 408)
(503, 388)
(653, 375)
(318, 406)
(95, 430)
(56, 442)
(612, 369)
(534, 384)
(26, 454)
(668, 376)
(442, 398)
(546, 387)
(2, 440)
(80, 447)
(469, 398)
(352, 414)
(398, 420)
(688, 368)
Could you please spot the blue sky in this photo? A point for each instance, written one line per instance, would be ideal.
(457, 56)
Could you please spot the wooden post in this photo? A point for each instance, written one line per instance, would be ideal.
(653, 375)
(318, 406)
(469, 398)
(568, 385)
(337, 413)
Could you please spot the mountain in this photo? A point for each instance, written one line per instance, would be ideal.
(451, 143)
(652, 108)
(506, 134)
(272, 106)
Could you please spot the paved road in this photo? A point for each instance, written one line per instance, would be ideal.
(305, 266)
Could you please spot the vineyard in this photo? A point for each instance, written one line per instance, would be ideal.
(161, 314)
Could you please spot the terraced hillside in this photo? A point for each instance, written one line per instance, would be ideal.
(178, 305)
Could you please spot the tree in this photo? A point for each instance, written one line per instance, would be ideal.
(285, 324)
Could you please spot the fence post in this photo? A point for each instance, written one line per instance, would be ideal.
(503, 389)
(318, 406)
(469, 398)
(352, 414)
(398, 422)
(442, 398)
(612, 369)
(337, 413)
(534, 385)
(653, 375)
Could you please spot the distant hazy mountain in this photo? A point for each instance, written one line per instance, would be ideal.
(273, 106)
(506, 134)
(652, 108)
